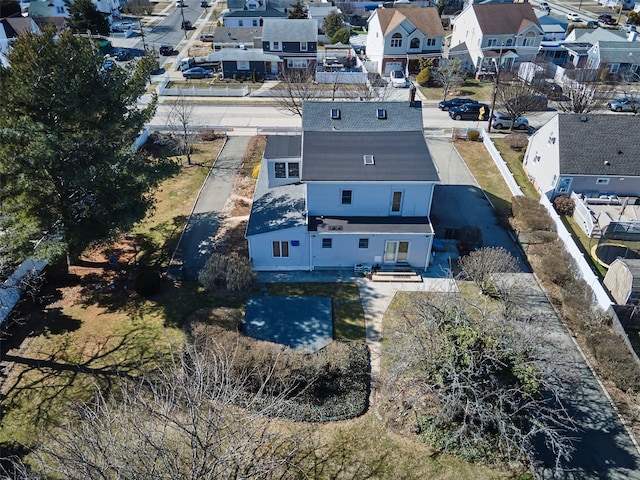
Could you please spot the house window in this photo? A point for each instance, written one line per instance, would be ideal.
(396, 202)
(363, 243)
(303, 46)
(254, 23)
(297, 63)
(536, 158)
(326, 243)
(293, 169)
(509, 42)
(492, 42)
(242, 65)
(602, 181)
(281, 171)
(275, 45)
(396, 40)
(60, 9)
(346, 197)
(280, 249)
(240, 23)
(529, 39)
(552, 139)
(431, 42)
(553, 180)
(614, 67)
(415, 43)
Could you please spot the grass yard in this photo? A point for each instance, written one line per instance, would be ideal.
(474, 89)
(486, 173)
(348, 315)
(585, 244)
(514, 161)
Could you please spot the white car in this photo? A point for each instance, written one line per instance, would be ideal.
(398, 80)
(544, 6)
(573, 17)
(179, 3)
(504, 120)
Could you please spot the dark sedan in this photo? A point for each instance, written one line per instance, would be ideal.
(453, 102)
(470, 111)
(197, 72)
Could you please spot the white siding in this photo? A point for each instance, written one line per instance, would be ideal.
(261, 250)
(368, 199)
(276, 182)
(542, 159)
(375, 41)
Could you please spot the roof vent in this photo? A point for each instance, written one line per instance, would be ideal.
(607, 163)
(335, 114)
(583, 118)
(369, 160)
(620, 152)
(381, 113)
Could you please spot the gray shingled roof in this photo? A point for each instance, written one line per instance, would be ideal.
(505, 18)
(283, 146)
(585, 145)
(619, 52)
(268, 13)
(394, 224)
(361, 117)
(289, 30)
(276, 208)
(236, 34)
(339, 156)
(238, 54)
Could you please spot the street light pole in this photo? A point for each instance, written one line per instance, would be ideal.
(183, 25)
(495, 88)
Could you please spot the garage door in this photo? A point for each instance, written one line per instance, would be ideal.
(390, 66)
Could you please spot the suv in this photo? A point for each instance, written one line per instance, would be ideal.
(624, 105)
(398, 80)
(504, 120)
(166, 50)
(453, 102)
(606, 19)
(470, 111)
(186, 25)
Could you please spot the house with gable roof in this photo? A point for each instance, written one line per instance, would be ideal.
(295, 41)
(591, 154)
(12, 27)
(398, 37)
(508, 33)
(355, 188)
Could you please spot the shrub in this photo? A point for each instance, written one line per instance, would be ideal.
(341, 36)
(255, 172)
(424, 77)
(213, 274)
(473, 135)
(147, 282)
(556, 264)
(232, 272)
(564, 205)
(531, 215)
(516, 141)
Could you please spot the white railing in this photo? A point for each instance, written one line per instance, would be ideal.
(352, 78)
(278, 130)
(582, 215)
(212, 91)
(500, 163)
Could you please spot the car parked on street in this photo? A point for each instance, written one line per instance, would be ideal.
(186, 25)
(624, 105)
(197, 72)
(573, 17)
(108, 65)
(453, 102)
(502, 120)
(398, 80)
(544, 6)
(123, 55)
(167, 50)
(629, 27)
(179, 3)
(552, 90)
(470, 111)
(607, 19)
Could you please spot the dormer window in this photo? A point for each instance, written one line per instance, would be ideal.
(335, 114)
(381, 113)
(369, 160)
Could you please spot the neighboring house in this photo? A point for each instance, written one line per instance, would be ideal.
(593, 35)
(590, 154)
(250, 18)
(237, 62)
(237, 37)
(234, 5)
(505, 33)
(618, 58)
(355, 188)
(318, 12)
(53, 8)
(398, 37)
(623, 281)
(461, 52)
(12, 27)
(293, 40)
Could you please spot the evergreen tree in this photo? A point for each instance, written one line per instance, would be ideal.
(68, 171)
(84, 16)
(298, 10)
(332, 23)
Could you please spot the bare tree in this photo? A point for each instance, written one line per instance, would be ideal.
(195, 417)
(516, 98)
(486, 268)
(583, 97)
(180, 117)
(296, 86)
(448, 76)
(477, 381)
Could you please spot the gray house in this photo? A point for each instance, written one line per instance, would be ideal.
(356, 188)
(293, 40)
(591, 154)
(237, 62)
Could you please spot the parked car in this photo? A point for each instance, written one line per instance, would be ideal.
(179, 3)
(470, 111)
(122, 26)
(123, 55)
(207, 37)
(166, 50)
(186, 25)
(502, 120)
(624, 105)
(592, 24)
(398, 80)
(453, 102)
(197, 72)
(544, 6)
(629, 27)
(550, 89)
(204, 4)
(573, 17)
(607, 19)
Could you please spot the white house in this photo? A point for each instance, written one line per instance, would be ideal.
(355, 188)
(398, 37)
(508, 33)
(591, 154)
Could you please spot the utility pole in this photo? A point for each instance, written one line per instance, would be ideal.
(183, 25)
(144, 44)
(495, 88)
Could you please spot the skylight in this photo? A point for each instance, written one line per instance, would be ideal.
(335, 114)
(381, 114)
(369, 160)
